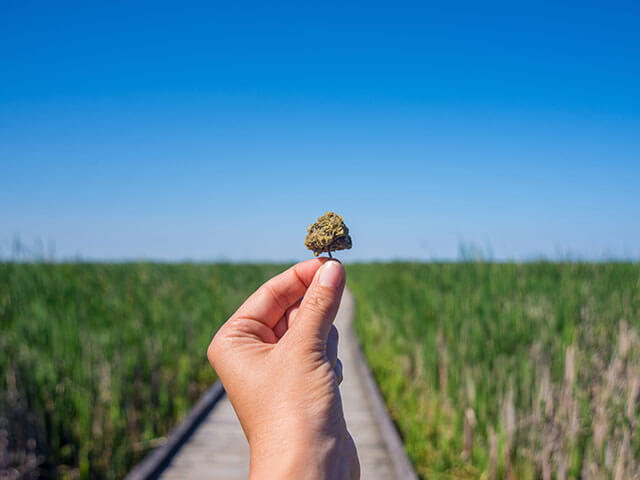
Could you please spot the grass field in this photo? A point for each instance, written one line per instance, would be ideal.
(489, 370)
(99, 362)
(505, 370)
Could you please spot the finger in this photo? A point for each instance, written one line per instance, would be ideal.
(270, 302)
(338, 371)
(332, 346)
(292, 313)
(320, 303)
(283, 324)
(281, 327)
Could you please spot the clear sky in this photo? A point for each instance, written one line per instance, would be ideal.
(220, 131)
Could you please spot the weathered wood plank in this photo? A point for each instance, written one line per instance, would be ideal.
(155, 463)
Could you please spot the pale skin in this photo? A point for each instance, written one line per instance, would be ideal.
(277, 357)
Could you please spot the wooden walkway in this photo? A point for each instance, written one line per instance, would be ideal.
(218, 449)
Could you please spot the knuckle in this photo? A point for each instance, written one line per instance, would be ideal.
(268, 290)
(215, 347)
(211, 353)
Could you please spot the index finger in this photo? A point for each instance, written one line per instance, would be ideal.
(270, 302)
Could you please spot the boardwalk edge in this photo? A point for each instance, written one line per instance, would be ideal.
(158, 459)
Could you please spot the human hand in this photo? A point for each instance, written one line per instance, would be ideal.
(277, 359)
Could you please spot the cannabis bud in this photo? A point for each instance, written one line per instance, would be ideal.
(327, 234)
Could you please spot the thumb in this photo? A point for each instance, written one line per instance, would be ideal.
(321, 301)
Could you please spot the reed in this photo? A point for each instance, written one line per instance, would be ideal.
(507, 371)
(98, 362)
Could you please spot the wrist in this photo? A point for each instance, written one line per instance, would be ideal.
(285, 466)
(301, 460)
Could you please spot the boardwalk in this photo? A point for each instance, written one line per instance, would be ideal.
(218, 449)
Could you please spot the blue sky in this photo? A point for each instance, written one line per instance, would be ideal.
(209, 131)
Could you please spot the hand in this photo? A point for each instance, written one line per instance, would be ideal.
(277, 359)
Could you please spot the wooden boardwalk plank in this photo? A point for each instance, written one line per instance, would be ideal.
(217, 450)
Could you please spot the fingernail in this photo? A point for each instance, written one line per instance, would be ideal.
(330, 275)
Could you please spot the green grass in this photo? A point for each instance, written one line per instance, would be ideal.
(545, 358)
(98, 362)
